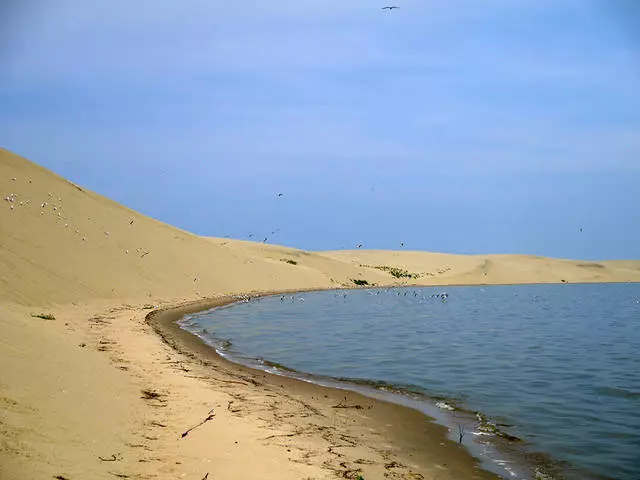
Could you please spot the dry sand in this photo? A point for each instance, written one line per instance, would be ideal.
(71, 389)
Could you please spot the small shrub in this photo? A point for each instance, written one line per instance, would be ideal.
(359, 282)
(44, 316)
(397, 272)
(290, 262)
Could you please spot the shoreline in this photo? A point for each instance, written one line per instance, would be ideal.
(496, 450)
(90, 390)
(416, 434)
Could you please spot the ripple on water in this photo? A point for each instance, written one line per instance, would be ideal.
(559, 365)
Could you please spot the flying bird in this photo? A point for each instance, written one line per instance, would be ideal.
(391, 7)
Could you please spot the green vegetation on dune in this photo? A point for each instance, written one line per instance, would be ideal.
(394, 271)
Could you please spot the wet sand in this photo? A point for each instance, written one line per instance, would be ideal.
(377, 437)
(96, 393)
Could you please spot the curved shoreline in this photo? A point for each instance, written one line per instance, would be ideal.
(414, 433)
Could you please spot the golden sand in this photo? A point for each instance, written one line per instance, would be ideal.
(97, 393)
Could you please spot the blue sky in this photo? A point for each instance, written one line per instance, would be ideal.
(460, 126)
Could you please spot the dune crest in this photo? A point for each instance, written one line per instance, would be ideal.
(61, 243)
(89, 390)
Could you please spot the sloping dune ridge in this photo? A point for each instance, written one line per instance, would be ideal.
(61, 243)
(95, 393)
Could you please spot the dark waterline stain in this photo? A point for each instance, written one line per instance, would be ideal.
(558, 365)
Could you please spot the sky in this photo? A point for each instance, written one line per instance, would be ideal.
(461, 126)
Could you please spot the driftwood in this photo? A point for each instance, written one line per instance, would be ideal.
(344, 404)
(209, 417)
(113, 458)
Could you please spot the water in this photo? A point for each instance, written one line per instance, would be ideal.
(557, 366)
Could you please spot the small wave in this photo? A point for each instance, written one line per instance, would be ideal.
(444, 406)
(617, 392)
(276, 365)
(491, 428)
(405, 389)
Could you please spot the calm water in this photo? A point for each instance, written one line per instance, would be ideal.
(557, 366)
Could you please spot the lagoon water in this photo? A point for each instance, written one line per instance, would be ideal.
(557, 366)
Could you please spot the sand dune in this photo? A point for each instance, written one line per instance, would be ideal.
(445, 269)
(71, 401)
(61, 243)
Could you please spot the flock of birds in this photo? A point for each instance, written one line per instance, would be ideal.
(252, 236)
(419, 295)
(53, 206)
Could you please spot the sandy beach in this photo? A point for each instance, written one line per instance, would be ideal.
(99, 382)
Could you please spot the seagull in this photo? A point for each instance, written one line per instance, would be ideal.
(280, 194)
(391, 7)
